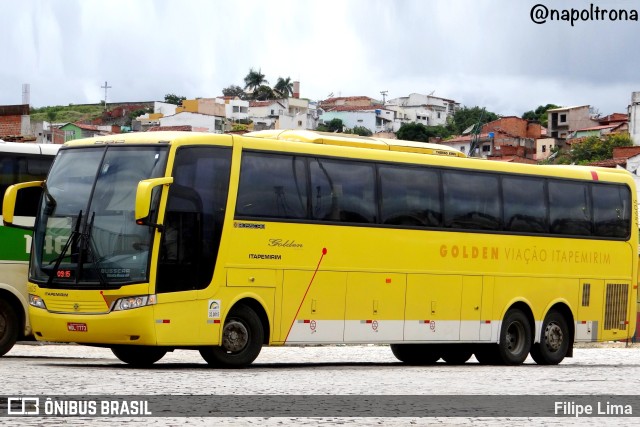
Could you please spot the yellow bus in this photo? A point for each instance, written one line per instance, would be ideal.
(226, 243)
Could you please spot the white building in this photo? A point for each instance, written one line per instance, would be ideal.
(373, 117)
(198, 122)
(634, 118)
(286, 113)
(417, 108)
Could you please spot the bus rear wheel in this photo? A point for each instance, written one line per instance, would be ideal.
(138, 356)
(515, 338)
(554, 341)
(242, 339)
(416, 354)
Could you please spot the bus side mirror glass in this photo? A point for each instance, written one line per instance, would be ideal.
(10, 201)
(144, 194)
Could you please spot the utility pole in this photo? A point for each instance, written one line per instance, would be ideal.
(105, 87)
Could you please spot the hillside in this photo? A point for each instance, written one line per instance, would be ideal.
(70, 113)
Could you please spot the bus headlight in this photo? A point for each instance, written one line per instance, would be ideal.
(36, 301)
(128, 303)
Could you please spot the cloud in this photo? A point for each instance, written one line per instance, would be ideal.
(477, 52)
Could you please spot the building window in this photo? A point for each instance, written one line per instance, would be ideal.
(563, 118)
(486, 148)
(544, 148)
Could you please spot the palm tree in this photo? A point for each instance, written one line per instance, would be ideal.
(284, 87)
(254, 80)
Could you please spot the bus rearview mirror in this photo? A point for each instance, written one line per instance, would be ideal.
(9, 203)
(144, 195)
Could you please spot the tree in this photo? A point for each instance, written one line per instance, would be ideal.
(234, 91)
(466, 117)
(171, 98)
(420, 132)
(335, 125)
(361, 130)
(284, 87)
(254, 80)
(539, 114)
(594, 148)
(262, 93)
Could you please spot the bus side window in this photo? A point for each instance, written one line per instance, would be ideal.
(525, 208)
(343, 191)
(611, 210)
(569, 212)
(470, 200)
(410, 196)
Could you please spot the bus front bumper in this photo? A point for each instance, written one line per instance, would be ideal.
(135, 327)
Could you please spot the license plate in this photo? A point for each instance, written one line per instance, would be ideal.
(77, 327)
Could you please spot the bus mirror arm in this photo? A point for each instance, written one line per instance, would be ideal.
(144, 196)
(10, 200)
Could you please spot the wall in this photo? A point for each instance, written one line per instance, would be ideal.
(10, 125)
(634, 118)
(199, 122)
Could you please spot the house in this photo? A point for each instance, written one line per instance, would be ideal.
(71, 131)
(373, 117)
(509, 136)
(426, 109)
(198, 121)
(562, 122)
(284, 113)
(15, 123)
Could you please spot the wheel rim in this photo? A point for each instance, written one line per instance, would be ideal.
(515, 334)
(235, 336)
(553, 337)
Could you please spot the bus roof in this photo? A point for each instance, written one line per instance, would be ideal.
(349, 140)
(28, 148)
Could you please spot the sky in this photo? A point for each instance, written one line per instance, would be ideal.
(486, 53)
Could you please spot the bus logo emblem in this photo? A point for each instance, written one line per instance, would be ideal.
(76, 307)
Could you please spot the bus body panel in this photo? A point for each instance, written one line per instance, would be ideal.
(351, 283)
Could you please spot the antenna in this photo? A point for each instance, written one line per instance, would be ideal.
(105, 87)
(384, 95)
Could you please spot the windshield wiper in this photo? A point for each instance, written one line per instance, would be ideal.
(86, 245)
(71, 241)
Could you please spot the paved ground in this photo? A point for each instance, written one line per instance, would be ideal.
(35, 369)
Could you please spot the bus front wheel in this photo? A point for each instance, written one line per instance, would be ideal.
(138, 356)
(416, 354)
(8, 327)
(515, 338)
(554, 341)
(242, 338)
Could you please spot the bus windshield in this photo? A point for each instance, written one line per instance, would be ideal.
(85, 233)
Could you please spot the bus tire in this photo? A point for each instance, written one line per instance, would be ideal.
(242, 339)
(456, 354)
(416, 354)
(8, 327)
(515, 338)
(487, 354)
(554, 340)
(138, 356)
